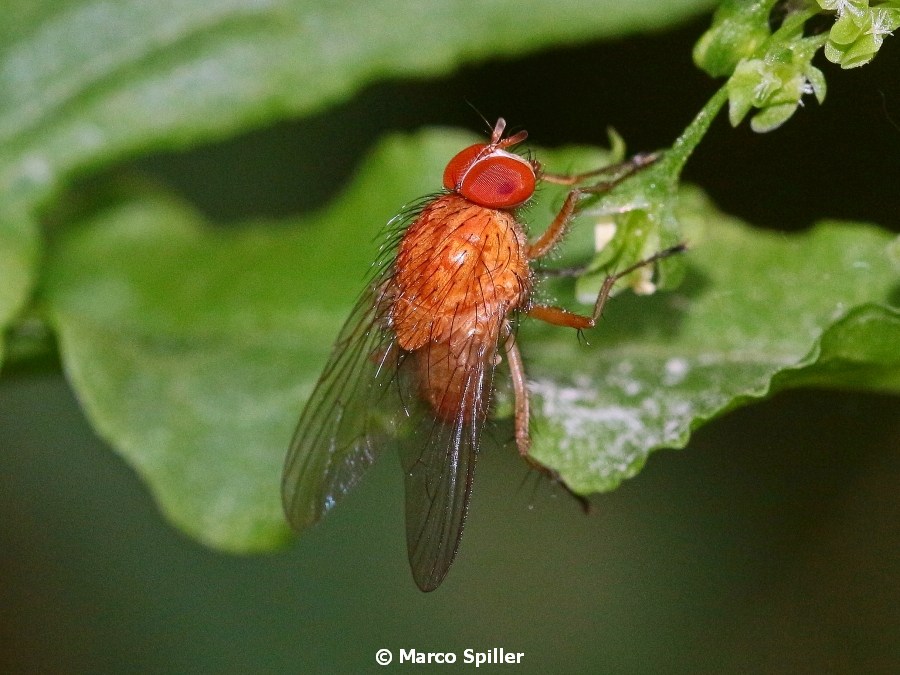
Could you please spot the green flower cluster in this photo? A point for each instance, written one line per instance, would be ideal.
(773, 71)
(859, 30)
(775, 84)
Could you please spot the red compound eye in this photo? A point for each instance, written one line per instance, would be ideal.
(501, 180)
(459, 165)
(497, 180)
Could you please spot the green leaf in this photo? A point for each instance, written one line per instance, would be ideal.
(757, 312)
(84, 82)
(192, 350)
(19, 250)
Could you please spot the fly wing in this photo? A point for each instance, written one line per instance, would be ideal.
(439, 453)
(347, 420)
(340, 433)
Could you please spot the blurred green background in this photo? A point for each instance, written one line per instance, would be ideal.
(770, 544)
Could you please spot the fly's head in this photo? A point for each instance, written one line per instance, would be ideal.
(489, 175)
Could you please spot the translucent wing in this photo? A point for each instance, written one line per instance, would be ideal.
(371, 397)
(438, 452)
(340, 433)
(345, 424)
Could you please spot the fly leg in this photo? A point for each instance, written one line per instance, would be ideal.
(520, 394)
(523, 438)
(563, 317)
(611, 172)
(617, 173)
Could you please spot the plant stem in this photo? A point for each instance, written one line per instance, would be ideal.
(675, 157)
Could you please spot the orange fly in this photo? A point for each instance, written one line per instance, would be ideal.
(413, 365)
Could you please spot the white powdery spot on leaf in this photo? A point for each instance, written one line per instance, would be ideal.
(605, 442)
(674, 371)
(621, 378)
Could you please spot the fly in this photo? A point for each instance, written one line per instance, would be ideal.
(413, 366)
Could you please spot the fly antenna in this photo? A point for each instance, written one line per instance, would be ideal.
(498, 131)
(478, 112)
